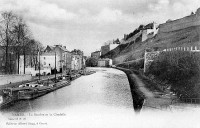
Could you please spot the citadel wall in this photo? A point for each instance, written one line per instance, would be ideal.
(185, 22)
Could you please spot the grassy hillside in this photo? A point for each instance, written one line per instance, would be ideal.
(131, 51)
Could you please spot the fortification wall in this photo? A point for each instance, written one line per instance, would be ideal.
(188, 21)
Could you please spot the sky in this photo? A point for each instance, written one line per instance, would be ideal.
(88, 24)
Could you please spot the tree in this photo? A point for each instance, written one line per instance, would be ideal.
(33, 47)
(6, 33)
(22, 39)
(91, 62)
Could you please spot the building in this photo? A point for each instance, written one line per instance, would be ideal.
(67, 60)
(63, 58)
(141, 34)
(106, 48)
(96, 54)
(149, 31)
(48, 60)
(77, 62)
(104, 62)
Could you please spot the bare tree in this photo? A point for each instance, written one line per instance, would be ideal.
(6, 33)
(22, 39)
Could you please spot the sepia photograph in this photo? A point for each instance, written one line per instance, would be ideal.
(99, 63)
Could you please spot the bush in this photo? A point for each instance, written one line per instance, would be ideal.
(135, 65)
(181, 69)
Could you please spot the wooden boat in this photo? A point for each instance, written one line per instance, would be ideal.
(33, 92)
(5, 98)
(11, 95)
(38, 91)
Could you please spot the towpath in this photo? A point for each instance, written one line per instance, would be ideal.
(153, 100)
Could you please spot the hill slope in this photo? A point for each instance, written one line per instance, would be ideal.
(180, 38)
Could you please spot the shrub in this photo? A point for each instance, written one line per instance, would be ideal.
(180, 68)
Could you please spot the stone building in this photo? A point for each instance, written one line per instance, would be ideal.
(149, 31)
(106, 48)
(96, 54)
(77, 62)
(63, 58)
(106, 62)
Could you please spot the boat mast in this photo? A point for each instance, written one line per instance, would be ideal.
(39, 62)
(55, 67)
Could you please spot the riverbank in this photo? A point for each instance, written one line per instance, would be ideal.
(144, 96)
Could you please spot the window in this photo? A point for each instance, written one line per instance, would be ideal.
(44, 58)
(44, 63)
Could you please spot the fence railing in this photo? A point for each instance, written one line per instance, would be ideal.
(190, 100)
(191, 48)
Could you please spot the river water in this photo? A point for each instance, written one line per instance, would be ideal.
(104, 94)
(107, 87)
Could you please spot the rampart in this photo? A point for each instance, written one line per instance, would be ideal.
(185, 22)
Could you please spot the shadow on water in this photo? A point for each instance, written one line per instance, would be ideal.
(137, 95)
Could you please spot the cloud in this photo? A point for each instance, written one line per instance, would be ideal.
(108, 16)
(38, 10)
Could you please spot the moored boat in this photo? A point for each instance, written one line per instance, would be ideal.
(41, 90)
(9, 95)
(28, 91)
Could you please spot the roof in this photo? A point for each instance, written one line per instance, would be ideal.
(96, 51)
(48, 54)
(63, 48)
(52, 48)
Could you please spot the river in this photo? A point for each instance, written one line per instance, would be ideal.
(98, 97)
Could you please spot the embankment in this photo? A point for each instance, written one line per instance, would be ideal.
(144, 96)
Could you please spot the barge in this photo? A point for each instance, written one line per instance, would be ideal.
(40, 91)
(28, 91)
